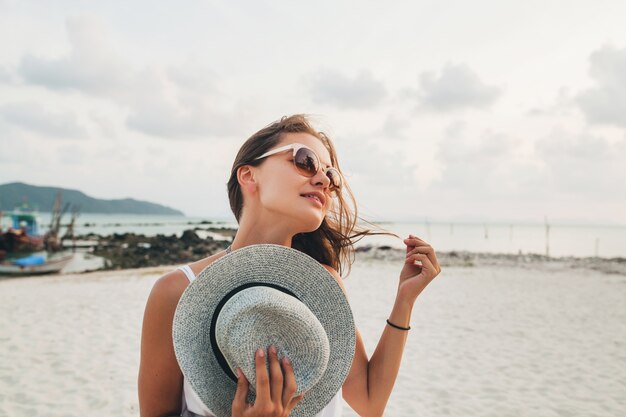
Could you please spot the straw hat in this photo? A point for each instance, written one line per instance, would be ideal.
(257, 296)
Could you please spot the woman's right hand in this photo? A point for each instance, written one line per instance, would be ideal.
(274, 392)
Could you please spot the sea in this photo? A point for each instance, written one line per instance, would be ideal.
(555, 240)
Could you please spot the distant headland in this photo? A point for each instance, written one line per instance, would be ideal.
(14, 195)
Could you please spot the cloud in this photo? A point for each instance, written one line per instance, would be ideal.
(605, 102)
(456, 87)
(6, 76)
(163, 101)
(559, 165)
(104, 124)
(71, 155)
(372, 163)
(359, 92)
(177, 106)
(394, 127)
(561, 105)
(91, 67)
(582, 164)
(487, 165)
(34, 117)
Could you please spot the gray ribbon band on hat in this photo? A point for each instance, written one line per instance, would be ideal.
(217, 351)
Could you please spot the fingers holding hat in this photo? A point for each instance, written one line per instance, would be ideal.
(274, 393)
(290, 386)
(239, 402)
(262, 379)
(276, 376)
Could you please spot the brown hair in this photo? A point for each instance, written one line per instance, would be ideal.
(333, 242)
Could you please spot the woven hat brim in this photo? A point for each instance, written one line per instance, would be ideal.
(270, 264)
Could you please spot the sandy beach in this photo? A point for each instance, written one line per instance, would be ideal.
(495, 340)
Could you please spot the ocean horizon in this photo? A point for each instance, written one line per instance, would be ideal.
(560, 239)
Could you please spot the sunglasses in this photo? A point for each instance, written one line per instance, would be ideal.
(307, 163)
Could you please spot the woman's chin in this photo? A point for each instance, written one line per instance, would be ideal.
(311, 223)
(311, 216)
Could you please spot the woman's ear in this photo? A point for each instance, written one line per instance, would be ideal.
(247, 179)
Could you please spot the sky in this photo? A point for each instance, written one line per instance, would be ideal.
(447, 111)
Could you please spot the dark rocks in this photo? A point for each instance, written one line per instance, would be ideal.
(190, 237)
(129, 250)
(224, 231)
(478, 259)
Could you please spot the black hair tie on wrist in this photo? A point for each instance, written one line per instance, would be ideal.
(398, 327)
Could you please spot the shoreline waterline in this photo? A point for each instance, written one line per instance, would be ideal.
(554, 238)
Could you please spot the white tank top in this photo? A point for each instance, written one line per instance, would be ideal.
(193, 405)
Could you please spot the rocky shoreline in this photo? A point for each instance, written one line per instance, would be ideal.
(130, 250)
(526, 260)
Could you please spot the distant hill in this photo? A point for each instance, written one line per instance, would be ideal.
(13, 195)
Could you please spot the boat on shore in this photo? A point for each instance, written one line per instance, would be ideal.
(22, 245)
(34, 265)
(24, 234)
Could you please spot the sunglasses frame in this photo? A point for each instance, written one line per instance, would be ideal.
(296, 147)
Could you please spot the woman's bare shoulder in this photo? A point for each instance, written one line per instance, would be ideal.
(333, 272)
(198, 266)
(170, 287)
(335, 275)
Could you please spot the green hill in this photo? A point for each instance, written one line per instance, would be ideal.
(13, 195)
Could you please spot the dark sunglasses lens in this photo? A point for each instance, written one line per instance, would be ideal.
(306, 161)
(335, 178)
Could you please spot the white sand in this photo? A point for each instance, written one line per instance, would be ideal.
(491, 341)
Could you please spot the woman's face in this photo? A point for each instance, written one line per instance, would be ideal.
(282, 188)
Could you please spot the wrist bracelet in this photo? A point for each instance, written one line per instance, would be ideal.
(398, 327)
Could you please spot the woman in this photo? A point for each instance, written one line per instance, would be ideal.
(285, 188)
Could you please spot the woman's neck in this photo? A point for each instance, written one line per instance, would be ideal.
(255, 231)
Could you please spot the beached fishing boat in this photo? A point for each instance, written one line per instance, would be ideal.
(34, 265)
(24, 234)
(23, 242)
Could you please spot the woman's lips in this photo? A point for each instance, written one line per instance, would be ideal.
(314, 200)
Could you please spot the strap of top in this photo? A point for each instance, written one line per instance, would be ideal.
(188, 272)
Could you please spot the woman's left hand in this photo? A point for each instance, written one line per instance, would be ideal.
(414, 277)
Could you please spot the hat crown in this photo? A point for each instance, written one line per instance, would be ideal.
(260, 316)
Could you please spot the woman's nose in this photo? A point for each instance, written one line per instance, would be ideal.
(321, 179)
